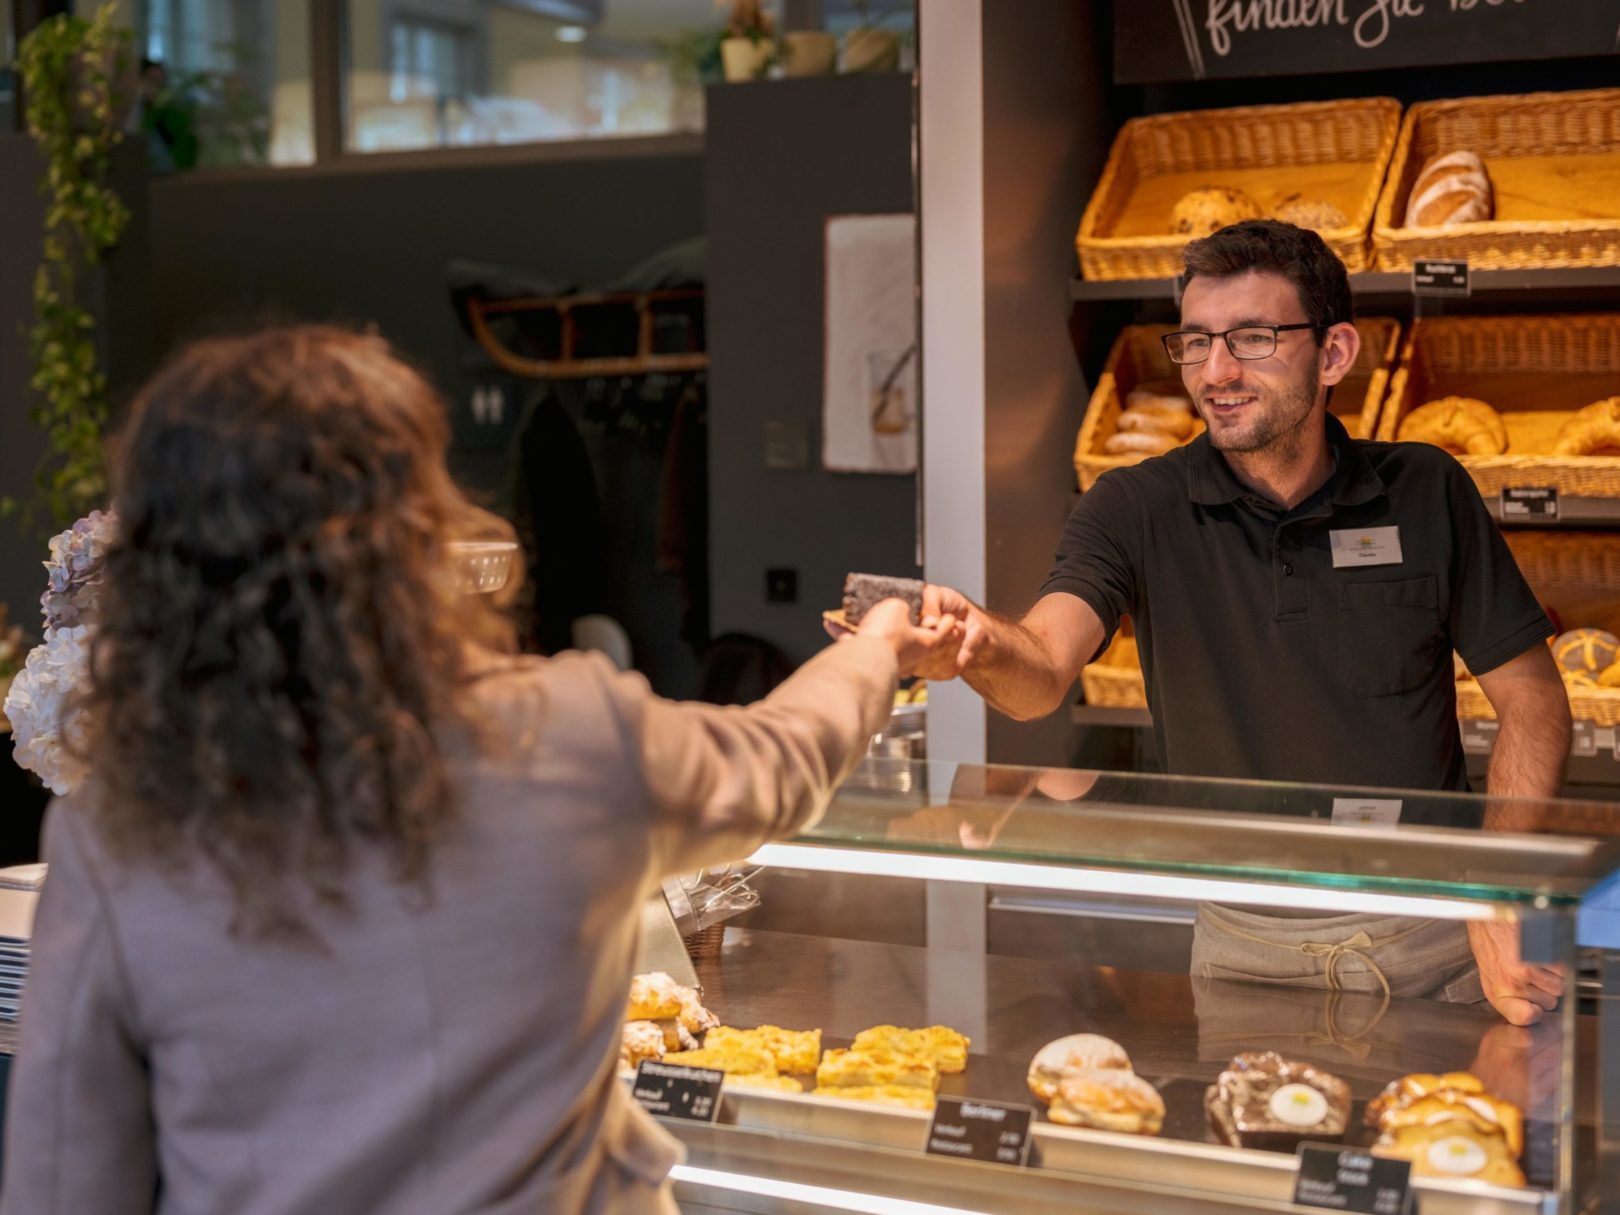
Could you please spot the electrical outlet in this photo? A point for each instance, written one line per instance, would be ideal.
(781, 586)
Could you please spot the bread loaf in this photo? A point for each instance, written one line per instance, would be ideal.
(1211, 208)
(863, 591)
(1452, 188)
(1313, 213)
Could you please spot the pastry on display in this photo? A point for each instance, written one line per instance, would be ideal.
(1455, 1150)
(734, 1061)
(1451, 188)
(640, 1040)
(1313, 213)
(781, 1084)
(863, 591)
(1177, 423)
(1211, 208)
(1609, 677)
(1461, 425)
(947, 1048)
(1427, 1100)
(792, 1050)
(654, 996)
(1109, 1100)
(1586, 653)
(1075, 1053)
(1265, 1101)
(1420, 1084)
(1159, 394)
(882, 1094)
(694, 1018)
(875, 1068)
(1593, 431)
(1140, 442)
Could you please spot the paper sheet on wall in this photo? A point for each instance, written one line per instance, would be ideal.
(869, 394)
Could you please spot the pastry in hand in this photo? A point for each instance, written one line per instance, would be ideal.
(1452, 188)
(1140, 443)
(1312, 213)
(1074, 1053)
(1110, 1100)
(862, 592)
(1454, 1150)
(1593, 431)
(1265, 1101)
(1209, 209)
(1586, 651)
(1461, 425)
(947, 1048)
(653, 997)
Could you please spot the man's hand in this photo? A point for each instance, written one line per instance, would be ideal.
(949, 661)
(914, 646)
(1520, 991)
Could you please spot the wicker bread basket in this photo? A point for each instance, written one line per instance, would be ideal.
(1336, 151)
(1115, 680)
(1533, 370)
(1138, 356)
(1554, 159)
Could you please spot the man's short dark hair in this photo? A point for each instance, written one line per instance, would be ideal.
(1298, 254)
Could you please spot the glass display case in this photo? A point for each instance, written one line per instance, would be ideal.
(1135, 861)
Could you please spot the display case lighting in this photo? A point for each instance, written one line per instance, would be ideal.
(1080, 880)
(793, 1191)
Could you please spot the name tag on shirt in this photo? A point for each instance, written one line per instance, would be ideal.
(1369, 546)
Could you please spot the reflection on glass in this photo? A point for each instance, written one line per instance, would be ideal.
(224, 83)
(459, 73)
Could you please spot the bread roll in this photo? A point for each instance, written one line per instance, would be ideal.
(1209, 209)
(1452, 188)
(1312, 213)
(1177, 423)
(1140, 443)
(1159, 394)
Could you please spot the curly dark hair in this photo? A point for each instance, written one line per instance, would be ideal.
(283, 649)
(1298, 254)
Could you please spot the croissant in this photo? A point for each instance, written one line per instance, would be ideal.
(1592, 431)
(1461, 425)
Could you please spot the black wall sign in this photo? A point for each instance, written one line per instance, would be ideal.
(1344, 1179)
(692, 1093)
(1217, 39)
(1527, 503)
(980, 1130)
(1440, 278)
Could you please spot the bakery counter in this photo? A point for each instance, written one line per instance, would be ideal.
(1179, 1033)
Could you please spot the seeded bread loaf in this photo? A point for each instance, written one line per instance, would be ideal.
(862, 591)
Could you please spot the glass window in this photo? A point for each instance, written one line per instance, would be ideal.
(225, 83)
(459, 73)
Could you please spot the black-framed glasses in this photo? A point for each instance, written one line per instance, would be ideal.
(1245, 342)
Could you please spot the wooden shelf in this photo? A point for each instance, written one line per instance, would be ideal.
(1385, 284)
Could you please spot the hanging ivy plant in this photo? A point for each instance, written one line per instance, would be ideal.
(71, 70)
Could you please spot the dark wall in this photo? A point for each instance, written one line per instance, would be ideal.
(782, 156)
(372, 246)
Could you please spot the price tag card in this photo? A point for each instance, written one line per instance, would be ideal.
(1431, 277)
(1366, 811)
(980, 1130)
(1346, 1179)
(692, 1093)
(1584, 740)
(1529, 504)
(1479, 735)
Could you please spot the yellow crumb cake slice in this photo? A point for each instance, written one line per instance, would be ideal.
(947, 1048)
(782, 1084)
(793, 1050)
(733, 1060)
(883, 1094)
(869, 1069)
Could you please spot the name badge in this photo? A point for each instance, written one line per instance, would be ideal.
(1370, 546)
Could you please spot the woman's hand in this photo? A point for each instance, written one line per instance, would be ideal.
(914, 645)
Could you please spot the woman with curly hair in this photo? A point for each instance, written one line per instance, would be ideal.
(344, 919)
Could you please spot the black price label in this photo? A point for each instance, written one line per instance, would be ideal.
(1524, 502)
(980, 1130)
(692, 1093)
(1346, 1179)
(1440, 278)
(1584, 740)
(1479, 735)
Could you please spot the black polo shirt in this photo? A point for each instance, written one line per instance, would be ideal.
(1266, 662)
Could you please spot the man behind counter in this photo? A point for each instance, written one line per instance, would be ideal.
(1297, 595)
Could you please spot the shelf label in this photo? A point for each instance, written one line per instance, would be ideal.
(1583, 741)
(1430, 277)
(980, 1130)
(1529, 503)
(692, 1093)
(1366, 811)
(1479, 735)
(1344, 1179)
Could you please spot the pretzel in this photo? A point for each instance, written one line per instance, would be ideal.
(1461, 425)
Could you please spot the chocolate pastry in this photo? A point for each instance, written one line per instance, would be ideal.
(862, 591)
(1265, 1101)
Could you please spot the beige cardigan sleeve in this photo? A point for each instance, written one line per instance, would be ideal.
(723, 780)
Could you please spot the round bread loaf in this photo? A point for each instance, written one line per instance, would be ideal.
(1594, 430)
(1209, 209)
(1452, 188)
(1586, 651)
(1461, 425)
(1312, 213)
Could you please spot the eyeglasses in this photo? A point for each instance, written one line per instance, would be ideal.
(1245, 342)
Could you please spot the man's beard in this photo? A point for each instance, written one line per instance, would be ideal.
(1277, 421)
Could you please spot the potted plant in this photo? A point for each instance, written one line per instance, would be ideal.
(868, 48)
(749, 48)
